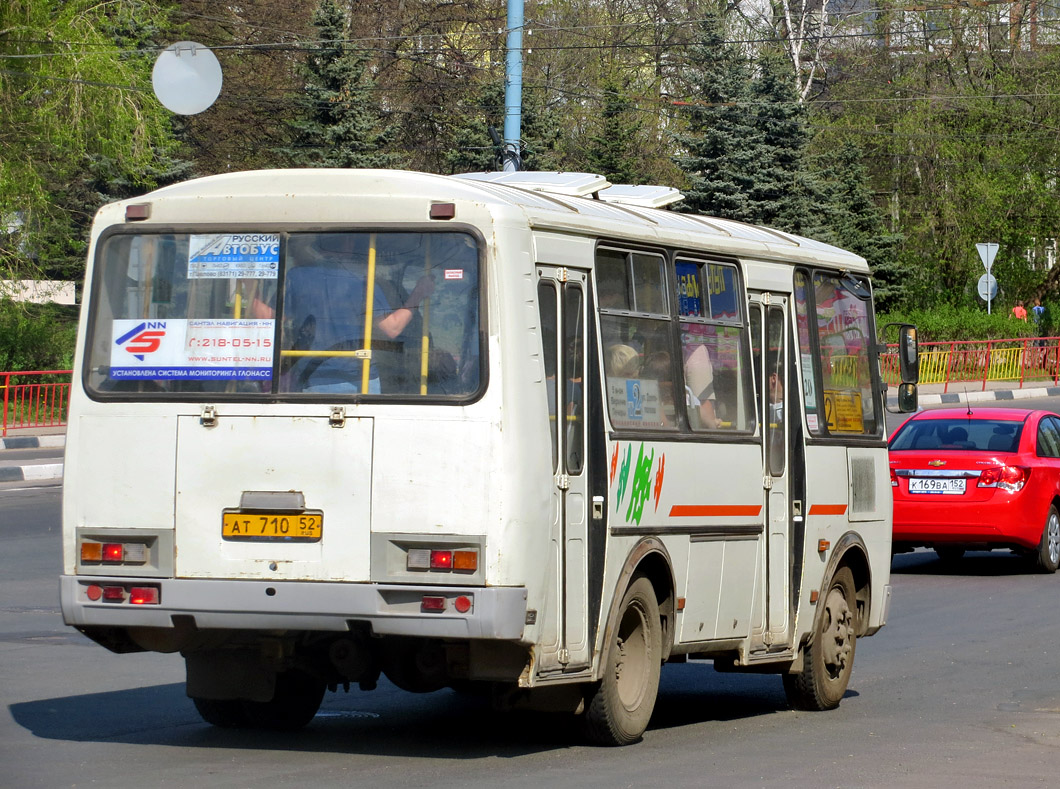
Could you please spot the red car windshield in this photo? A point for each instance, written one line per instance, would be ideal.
(983, 435)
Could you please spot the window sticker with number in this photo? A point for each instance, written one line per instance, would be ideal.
(176, 349)
(234, 256)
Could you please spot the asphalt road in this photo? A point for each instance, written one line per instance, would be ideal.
(961, 689)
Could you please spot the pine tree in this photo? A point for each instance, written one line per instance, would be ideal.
(473, 149)
(719, 146)
(341, 124)
(856, 223)
(614, 151)
(783, 190)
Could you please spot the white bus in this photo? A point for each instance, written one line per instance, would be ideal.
(523, 432)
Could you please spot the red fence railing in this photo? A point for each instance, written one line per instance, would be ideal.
(1023, 360)
(36, 398)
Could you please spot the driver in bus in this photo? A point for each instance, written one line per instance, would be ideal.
(325, 304)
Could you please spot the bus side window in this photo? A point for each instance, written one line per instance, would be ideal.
(717, 378)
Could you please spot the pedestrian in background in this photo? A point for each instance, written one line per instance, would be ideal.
(1019, 311)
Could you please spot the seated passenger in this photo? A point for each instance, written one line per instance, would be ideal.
(699, 385)
(325, 306)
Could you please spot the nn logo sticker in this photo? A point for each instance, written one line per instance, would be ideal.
(143, 339)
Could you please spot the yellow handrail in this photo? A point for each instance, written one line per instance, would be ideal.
(425, 340)
(368, 308)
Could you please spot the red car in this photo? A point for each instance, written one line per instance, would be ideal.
(977, 479)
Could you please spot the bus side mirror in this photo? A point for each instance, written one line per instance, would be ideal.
(907, 401)
(908, 354)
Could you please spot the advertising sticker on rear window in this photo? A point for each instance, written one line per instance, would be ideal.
(238, 350)
(234, 256)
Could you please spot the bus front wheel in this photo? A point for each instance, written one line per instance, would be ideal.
(620, 706)
(829, 657)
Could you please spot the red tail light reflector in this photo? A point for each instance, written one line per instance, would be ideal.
(143, 595)
(433, 604)
(894, 479)
(114, 593)
(441, 560)
(113, 552)
(462, 604)
(94, 592)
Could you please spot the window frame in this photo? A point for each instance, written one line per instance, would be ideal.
(821, 434)
(284, 230)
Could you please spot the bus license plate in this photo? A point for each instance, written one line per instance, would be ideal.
(272, 526)
(936, 485)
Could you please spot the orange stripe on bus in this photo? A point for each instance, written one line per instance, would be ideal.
(828, 509)
(715, 510)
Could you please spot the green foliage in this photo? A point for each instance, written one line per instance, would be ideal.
(36, 336)
(946, 323)
(71, 97)
(473, 148)
(718, 149)
(341, 123)
(614, 150)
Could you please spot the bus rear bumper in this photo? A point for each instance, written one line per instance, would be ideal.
(494, 612)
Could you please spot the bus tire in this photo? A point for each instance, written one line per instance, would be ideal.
(294, 703)
(621, 704)
(828, 659)
(223, 713)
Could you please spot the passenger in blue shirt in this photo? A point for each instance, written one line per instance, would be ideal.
(325, 305)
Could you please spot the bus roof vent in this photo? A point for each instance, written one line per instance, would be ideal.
(642, 195)
(572, 184)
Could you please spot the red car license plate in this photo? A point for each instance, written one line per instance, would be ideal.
(936, 485)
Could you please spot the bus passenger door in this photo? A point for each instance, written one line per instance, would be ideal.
(562, 302)
(782, 459)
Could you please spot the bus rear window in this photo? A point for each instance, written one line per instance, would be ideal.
(286, 315)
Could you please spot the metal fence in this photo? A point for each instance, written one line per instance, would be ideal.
(37, 398)
(1020, 361)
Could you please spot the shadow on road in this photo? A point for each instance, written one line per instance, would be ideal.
(388, 721)
(977, 564)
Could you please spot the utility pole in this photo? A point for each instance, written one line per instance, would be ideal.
(513, 88)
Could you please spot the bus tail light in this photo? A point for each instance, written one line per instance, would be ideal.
(94, 552)
(442, 559)
(114, 594)
(467, 561)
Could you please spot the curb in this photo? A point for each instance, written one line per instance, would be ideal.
(32, 472)
(33, 442)
(995, 394)
(35, 473)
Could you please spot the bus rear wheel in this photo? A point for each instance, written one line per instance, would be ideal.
(829, 657)
(620, 706)
(294, 704)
